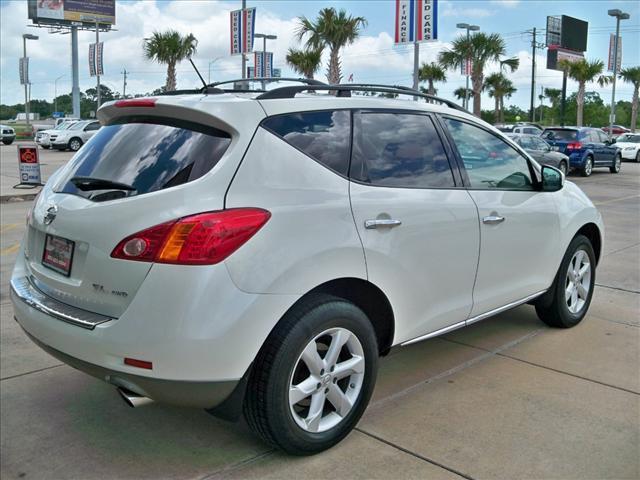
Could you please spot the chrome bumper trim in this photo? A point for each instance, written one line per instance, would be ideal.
(24, 290)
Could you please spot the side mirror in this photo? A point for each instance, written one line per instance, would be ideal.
(552, 179)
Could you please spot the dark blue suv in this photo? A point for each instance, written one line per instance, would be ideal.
(586, 148)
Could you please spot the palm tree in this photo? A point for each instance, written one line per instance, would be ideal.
(431, 72)
(460, 92)
(169, 48)
(554, 95)
(482, 49)
(499, 87)
(584, 71)
(333, 30)
(632, 75)
(305, 62)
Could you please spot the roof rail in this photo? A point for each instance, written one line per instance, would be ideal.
(307, 81)
(344, 90)
(189, 91)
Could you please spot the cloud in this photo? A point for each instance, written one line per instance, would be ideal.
(506, 3)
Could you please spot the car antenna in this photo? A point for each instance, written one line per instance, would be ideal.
(204, 84)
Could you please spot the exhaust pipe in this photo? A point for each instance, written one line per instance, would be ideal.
(133, 399)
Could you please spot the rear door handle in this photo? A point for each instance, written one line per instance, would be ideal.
(493, 219)
(384, 222)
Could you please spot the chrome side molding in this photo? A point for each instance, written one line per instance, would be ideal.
(28, 293)
(473, 320)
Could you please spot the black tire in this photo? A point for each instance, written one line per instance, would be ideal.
(638, 157)
(74, 144)
(266, 406)
(587, 169)
(617, 163)
(7, 142)
(552, 307)
(46, 147)
(562, 166)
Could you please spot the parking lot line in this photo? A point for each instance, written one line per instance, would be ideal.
(616, 200)
(9, 226)
(9, 250)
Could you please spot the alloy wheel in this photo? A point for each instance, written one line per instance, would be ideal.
(75, 145)
(618, 163)
(326, 380)
(588, 166)
(578, 281)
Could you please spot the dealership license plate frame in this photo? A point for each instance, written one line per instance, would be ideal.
(47, 261)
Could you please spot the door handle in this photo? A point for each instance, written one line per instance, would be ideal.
(493, 219)
(384, 222)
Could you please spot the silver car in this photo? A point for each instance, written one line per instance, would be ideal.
(541, 151)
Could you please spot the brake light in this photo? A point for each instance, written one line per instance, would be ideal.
(136, 102)
(134, 362)
(202, 239)
(574, 146)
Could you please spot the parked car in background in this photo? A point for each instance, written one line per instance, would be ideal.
(528, 128)
(43, 137)
(541, 151)
(7, 134)
(75, 136)
(256, 252)
(586, 147)
(616, 130)
(629, 145)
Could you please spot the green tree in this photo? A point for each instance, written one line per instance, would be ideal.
(431, 73)
(482, 49)
(459, 93)
(632, 75)
(170, 48)
(305, 62)
(332, 30)
(584, 71)
(498, 86)
(106, 94)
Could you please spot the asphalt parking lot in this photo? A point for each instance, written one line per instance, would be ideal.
(505, 398)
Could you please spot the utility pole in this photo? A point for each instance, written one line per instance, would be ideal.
(620, 15)
(532, 114)
(244, 58)
(55, 93)
(124, 83)
(27, 83)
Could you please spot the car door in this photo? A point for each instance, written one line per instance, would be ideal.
(418, 225)
(532, 148)
(90, 130)
(519, 228)
(546, 156)
(608, 151)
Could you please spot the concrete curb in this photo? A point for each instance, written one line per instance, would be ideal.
(18, 197)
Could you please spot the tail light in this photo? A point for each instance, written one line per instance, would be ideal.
(202, 239)
(574, 146)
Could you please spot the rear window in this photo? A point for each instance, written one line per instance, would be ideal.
(145, 157)
(559, 134)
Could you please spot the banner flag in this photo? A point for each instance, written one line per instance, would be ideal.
(248, 29)
(612, 47)
(236, 44)
(24, 70)
(92, 59)
(99, 59)
(257, 64)
(416, 21)
(268, 65)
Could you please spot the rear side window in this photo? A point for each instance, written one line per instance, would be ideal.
(325, 136)
(399, 150)
(145, 157)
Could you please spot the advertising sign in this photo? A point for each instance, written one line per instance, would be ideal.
(556, 54)
(612, 48)
(242, 28)
(99, 58)
(416, 21)
(567, 32)
(68, 11)
(92, 59)
(24, 70)
(29, 165)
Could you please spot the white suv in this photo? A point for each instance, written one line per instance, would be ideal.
(256, 252)
(75, 136)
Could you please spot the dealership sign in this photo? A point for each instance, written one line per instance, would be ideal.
(416, 21)
(263, 62)
(66, 12)
(242, 27)
(29, 165)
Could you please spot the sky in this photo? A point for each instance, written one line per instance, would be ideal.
(373, 58)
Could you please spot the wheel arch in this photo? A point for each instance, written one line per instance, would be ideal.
(593, 233)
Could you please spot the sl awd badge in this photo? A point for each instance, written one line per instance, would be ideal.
(50, 216)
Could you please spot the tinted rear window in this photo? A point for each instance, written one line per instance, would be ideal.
(146, 156)
(559, 134)
(325, 136)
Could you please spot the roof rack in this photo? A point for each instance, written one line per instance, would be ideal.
(190, 91)
(345, 91)
(306, 81)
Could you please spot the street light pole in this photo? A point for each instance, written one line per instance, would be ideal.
(97, 71)
(468, 28)
(620, 15)
(27, 106)
(55, 93)
(264, 38)
(209, 68)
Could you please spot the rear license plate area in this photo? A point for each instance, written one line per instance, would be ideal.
(58, 254)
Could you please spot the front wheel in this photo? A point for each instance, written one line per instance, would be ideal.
(617, 163)
(75, 144)
(567, 301)
(7, 142)
(46, 147)
(638, 157)
(562, 166)
(588, 167)
(314, 376)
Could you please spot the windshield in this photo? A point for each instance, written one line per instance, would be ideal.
(559, 134)
(629, 138)
(77, 126)
(146, 156)
(64, 125)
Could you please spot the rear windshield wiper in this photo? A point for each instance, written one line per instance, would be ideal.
(89, 183)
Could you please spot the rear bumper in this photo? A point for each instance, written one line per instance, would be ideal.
(174, 392)
(629, 154)
(576, 160)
